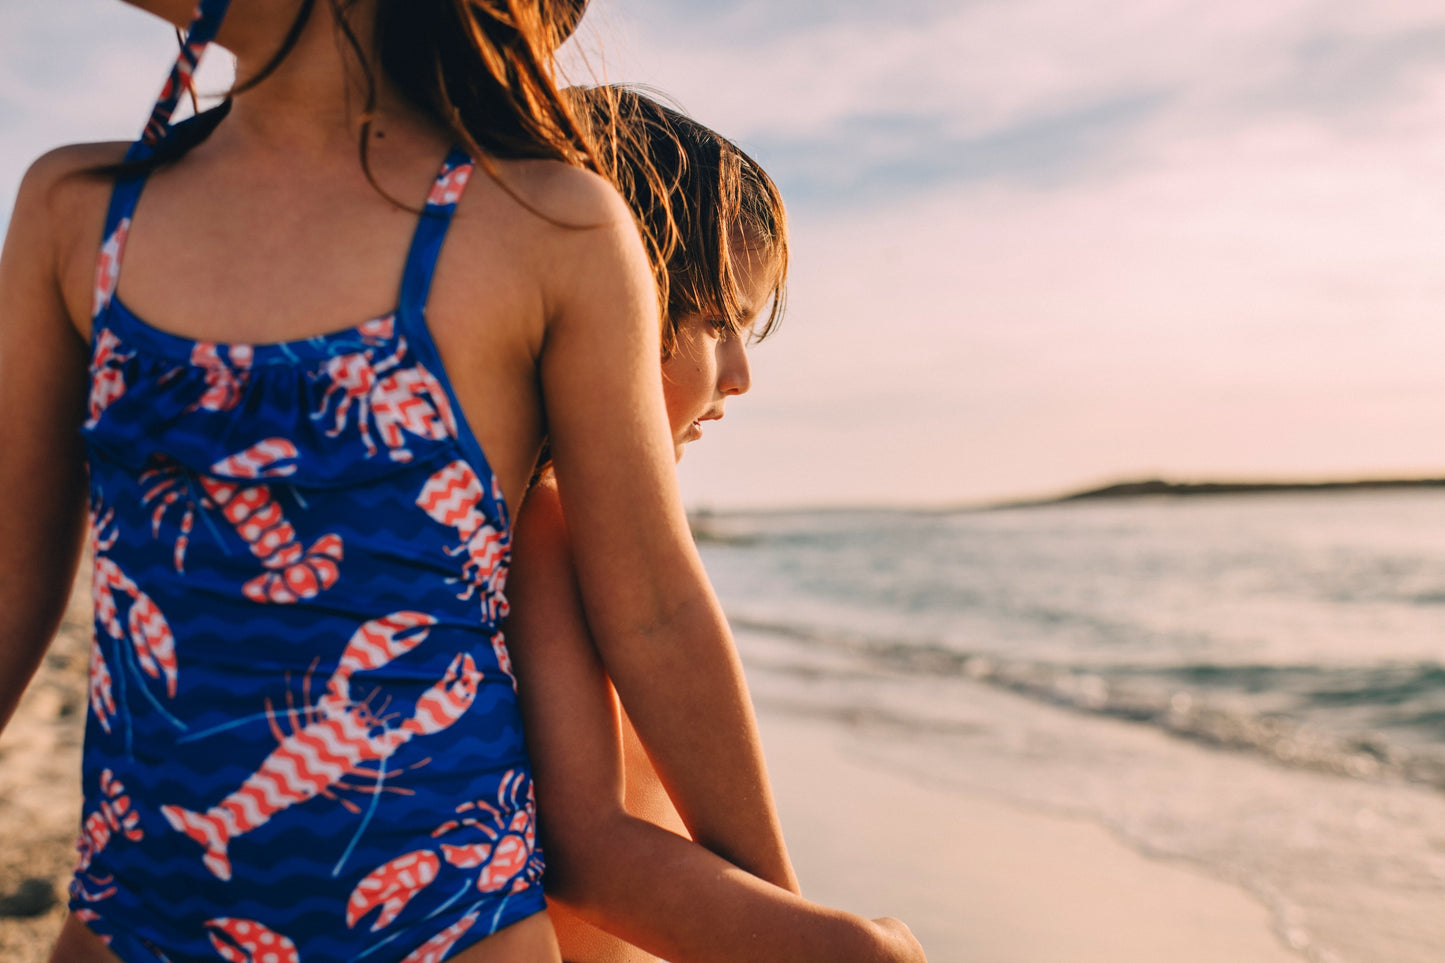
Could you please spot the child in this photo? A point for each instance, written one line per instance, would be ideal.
(299, 544)
(618, 854)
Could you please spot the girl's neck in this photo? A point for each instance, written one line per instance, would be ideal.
(315, 101)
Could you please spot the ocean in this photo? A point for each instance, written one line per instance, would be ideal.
(1252, 684)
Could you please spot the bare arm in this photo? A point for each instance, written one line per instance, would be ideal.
(628, 876)
(42, 397)
(661, 633)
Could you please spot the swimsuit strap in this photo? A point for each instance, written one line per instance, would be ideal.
(127, 190)
(426, 244)
(204, 24)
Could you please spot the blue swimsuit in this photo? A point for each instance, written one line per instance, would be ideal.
(303, 741)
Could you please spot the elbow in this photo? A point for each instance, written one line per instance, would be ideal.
(582, 850)
(589, 862)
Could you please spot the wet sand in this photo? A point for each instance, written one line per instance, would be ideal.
(980, 881)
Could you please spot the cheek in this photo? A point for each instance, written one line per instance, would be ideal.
(687, 387)
(677, 378)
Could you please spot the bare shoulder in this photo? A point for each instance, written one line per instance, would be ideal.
(565, 213)
(67, 167)
(550, 229)
(60, 213)
(59, 184)
(565, 197)
(579, 241)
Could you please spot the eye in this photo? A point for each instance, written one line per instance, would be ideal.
(720, 328)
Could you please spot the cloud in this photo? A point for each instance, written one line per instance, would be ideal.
(848, 102)
(871, 157)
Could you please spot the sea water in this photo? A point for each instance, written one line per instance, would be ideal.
(1254, 684)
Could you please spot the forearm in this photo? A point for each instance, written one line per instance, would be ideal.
(701, 734)
(681, 902)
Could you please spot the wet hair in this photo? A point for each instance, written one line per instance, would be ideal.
(481, 68)
(698, 199)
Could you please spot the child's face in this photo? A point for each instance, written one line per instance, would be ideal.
(709, 363)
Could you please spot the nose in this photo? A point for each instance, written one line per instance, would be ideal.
(734, 374)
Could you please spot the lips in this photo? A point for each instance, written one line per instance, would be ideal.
(694, 427)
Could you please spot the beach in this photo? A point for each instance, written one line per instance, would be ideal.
(980, 880)
(977, 879)
(1156, 699)
(40, 791)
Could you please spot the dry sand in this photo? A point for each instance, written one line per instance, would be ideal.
(980, 881)
(976, 879)
(40, 791)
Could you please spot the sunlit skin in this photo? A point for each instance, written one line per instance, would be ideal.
(710, 362)
(625, 883)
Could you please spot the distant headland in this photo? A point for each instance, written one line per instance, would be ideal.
(709, 525)
(1158, 486)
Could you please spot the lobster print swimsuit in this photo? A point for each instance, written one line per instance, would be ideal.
(303, 741)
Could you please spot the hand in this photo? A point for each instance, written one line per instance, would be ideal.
(898, 940)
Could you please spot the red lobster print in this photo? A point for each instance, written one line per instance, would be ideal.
(146, 627)
(398, 400)
(292, 572)
(448, 188)
(107, 375)
(112, 816)
(331, 739)
(246, 941)
(451, 496)
(508, 859)
(92, 921)
(226, 377)
(107, 267)
(436, 949)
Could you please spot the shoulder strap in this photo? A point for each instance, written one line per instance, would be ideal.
(205, 23)
(431, 230)
(126, 193)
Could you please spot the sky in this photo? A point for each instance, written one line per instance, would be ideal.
(1038, 245)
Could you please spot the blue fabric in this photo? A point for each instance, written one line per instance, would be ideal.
(303, 735)
(208, 17)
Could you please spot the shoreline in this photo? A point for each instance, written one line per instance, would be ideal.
(982, 880)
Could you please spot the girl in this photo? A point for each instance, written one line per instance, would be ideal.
(619, 856)
(302, 740)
